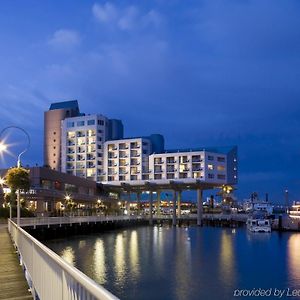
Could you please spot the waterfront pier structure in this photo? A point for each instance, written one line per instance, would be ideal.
(176, 187)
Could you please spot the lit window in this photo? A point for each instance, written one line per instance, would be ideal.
(221, 168)
(210, 167)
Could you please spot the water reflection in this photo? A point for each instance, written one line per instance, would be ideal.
(294, 258)
(99, 265)
(119, 259)
(68, 255)
(177, 263)
(227, 259)
(134, 255)
(182, 264)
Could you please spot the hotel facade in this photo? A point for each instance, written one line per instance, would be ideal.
(93, 147)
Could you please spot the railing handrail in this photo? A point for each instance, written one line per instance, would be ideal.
(91, 286)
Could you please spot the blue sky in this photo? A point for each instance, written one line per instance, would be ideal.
(203, 72)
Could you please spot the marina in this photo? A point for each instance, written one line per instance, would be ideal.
(129, 262)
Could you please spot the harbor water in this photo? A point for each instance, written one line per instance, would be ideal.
(187, 263)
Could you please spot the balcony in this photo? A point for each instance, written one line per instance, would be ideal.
(80, 135)
(171, 161)
(158, 162)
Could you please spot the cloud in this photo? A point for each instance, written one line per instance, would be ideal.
(106, 13)
(126, 18)
(64, 39)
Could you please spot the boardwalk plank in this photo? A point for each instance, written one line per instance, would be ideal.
(13, 285)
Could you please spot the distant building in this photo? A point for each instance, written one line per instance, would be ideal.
(52, 131)
(49, 189)
(93, 147)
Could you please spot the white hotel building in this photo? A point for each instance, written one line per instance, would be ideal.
(93, 147)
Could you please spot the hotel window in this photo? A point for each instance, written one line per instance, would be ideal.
(122, 178)
(133, 170)
(211, 176)
(80, 123)
(171, 176)
(182, 175)
(183, 168)
(111, 147)
(157, 176)
(221, 159)
(196, 175)
(91, 122)
(221, 168)
(210, 167)
(196, 158)
(111, 178)
(133, 177)
(210, 157)
(183, 159)
(157, 160)
(170, 160)
(100, 122)
(70, 124)
(221, 176)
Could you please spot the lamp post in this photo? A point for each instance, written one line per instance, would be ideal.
(3, 147)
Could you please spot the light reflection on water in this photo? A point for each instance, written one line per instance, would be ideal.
(99, 262)
(184, 263)
(294, 258)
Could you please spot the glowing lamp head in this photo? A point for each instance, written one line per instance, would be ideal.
(2, 181)
(3, 147)
(68, 198)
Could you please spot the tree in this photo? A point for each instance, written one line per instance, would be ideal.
(18, 179)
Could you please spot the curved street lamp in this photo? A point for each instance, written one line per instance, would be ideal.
(3, 147)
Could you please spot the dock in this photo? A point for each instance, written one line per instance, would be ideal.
(13, 285)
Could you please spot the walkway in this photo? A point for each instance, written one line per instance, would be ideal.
(13, 285)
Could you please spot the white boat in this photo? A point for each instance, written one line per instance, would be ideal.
(294, 211)
(255, 224)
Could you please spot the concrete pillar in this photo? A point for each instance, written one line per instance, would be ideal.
(150, 208)
(128, 203)
(179, 204)
(138, 197)
(174, 208)
(199, 206)
(158, 203)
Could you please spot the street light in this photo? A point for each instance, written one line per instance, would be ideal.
(3, 148)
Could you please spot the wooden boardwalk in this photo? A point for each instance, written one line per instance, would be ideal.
(13, 285)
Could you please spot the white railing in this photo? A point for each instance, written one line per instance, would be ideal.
(49, 276)
(48, 221)
(36, 221)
